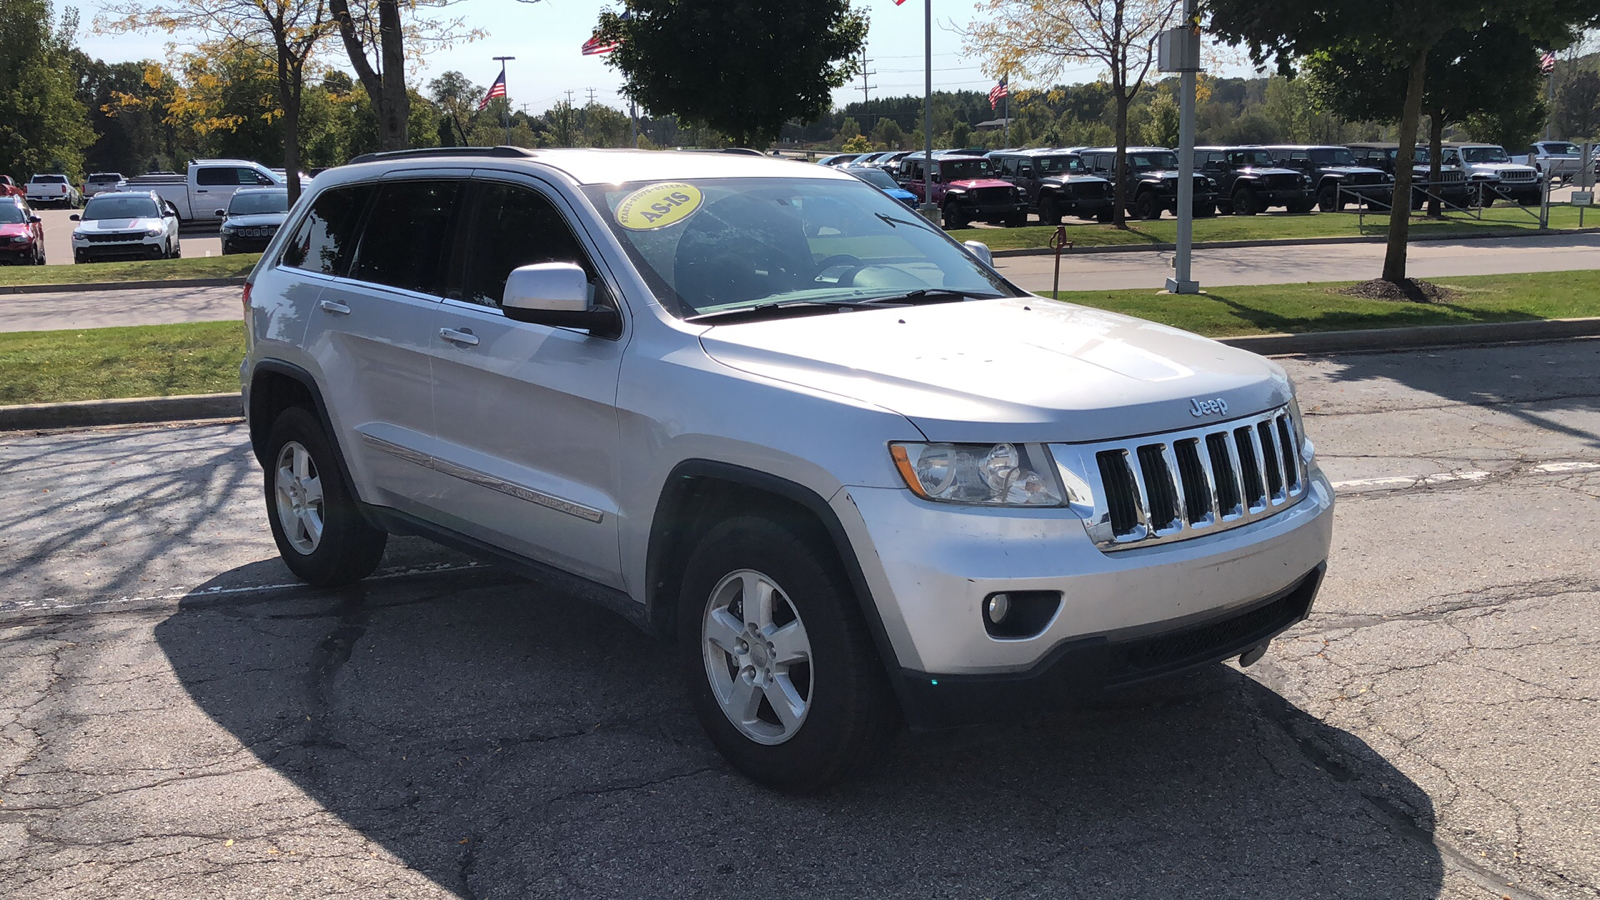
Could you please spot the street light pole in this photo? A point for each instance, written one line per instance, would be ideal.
(507, 98)
(929, 211)
(1182, 52)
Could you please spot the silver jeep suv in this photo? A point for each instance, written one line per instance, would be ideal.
(763, 411)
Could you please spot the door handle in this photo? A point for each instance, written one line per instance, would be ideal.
(463, 337)
(334, 306)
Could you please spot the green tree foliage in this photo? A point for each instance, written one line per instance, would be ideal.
(1578, 106)
(858, 144)
(131, 140)
(1160, 127)
(774, 60)
(43, 127)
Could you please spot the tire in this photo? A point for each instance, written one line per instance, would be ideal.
(1301, 207)
(1144, 206)
(1204, 211)
(1328, 199)
(954, 217)
(846, 712)
(1105, 217)
(320, 533)
(1020, 220)
(1244, 202)
(1049, 212)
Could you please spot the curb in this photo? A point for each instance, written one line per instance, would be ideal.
(1299, 242)
(141, 410)
(138, 410)
(118, 285)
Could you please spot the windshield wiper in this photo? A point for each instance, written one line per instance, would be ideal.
(777, 309)
(920, 296)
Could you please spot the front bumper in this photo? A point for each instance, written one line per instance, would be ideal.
(145, 248)
(930, 567)
(245, 244)
(1089, 207)
(1283, 197)
(16, 254)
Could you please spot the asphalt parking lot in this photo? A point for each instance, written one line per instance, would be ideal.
(178, 720)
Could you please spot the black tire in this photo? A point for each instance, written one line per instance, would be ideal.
(1104, 217)
(1049, 212)
(1302, 206)
(954, 217)
(1020, 220)
(1244, 202)
(347, 548)
(850, 713)
(1328, 199)
(1204, 211)
(1145, 207)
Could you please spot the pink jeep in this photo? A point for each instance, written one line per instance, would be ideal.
(964, 189)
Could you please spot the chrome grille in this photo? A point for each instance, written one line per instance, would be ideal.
(1187, 484)
(1519, 175)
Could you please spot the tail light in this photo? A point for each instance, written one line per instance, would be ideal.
(244, 299)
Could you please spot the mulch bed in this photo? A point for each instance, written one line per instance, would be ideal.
(1411, 290)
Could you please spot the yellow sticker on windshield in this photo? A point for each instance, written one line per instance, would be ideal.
(658, 206)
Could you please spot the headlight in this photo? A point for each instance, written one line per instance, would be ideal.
(227, 229)
(980, 474)
(1211, 183)
(78, 236)
(21, 239)
(155, 231)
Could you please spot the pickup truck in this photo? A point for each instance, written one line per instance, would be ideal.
(1553, 159)
(207, 187)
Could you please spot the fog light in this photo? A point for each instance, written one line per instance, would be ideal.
(998, 606)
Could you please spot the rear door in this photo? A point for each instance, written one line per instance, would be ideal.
(527, 420)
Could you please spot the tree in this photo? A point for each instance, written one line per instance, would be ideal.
(291, 28)
(858, 144)
(42, 124)
(376, 26)
(1400, 34)
(1578, 106)
(742, 67)
(457, 98)
(1039, 38)
(1161, 128)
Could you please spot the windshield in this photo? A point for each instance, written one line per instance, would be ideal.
(1147, 162)
(1484, 155)
(711, 245)
(963, 169)
(1253, 158)
(258, 202)
(12, 214)
(120, 206)
(875, 177)
(1333, 156)
(1057, 165)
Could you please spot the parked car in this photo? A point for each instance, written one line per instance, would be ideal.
(880, 179)
(207, 186)
(1055, 184)
(252, 218)
(123, 224)
(55, 189)
(98, 182)
(869, 159)
(1489, 167)
(1452, 187)
(839, 159)
(1336, 177)
(21, 233)
(858, 476)
(10, 188)
(964, 189)
(1553, 159)
(1248, 182)
(1152, 181)
(890, 162)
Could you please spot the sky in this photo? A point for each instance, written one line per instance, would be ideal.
(545, 38)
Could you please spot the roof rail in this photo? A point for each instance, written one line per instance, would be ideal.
(492, 152)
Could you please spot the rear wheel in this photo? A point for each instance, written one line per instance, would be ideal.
(315, 522)
(1328, 199)
(777, 658)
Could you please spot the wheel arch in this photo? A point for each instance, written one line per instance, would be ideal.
(276, 385)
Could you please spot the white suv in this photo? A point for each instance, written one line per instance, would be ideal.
(764, 410)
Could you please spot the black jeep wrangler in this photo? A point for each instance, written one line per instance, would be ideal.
(1452, 188)
(1248, 182)
(1055, 184)
(1336, 177)
(1152, 183)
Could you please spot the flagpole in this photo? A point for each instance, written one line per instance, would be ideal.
(1005, 115)
(507, 97)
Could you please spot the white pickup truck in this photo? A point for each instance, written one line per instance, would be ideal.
(1553, 159)
(207, 187)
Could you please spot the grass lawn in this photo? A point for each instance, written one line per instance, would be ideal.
(1294, 308)
(1271, 226)
(103, 363)
(231, 266)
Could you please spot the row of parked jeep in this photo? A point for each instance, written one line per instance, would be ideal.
(1003, 186)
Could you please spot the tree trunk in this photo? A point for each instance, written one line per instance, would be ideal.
(289, 84)
(1394, 259)
(1435, 142)
(395, 111)
(1119, 216)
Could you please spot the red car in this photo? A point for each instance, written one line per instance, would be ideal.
(21, 234)
(964, 188)
(9, 187)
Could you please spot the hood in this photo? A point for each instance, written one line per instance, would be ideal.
(1351, 170)
(1502, 167)
(256, 220)
(971, 183)
(12, 230)
(1269, 170)
(1072, 179)
(136, 224)
(1016, 369)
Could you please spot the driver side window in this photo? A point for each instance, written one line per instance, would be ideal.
(514, 227)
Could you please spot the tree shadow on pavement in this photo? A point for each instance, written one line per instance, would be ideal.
(507, 741)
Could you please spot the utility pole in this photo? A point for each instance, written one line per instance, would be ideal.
(591, 96)
(503, 60)
(865, 99)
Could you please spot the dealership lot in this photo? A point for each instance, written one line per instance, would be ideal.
(178, 720)
(198, 240)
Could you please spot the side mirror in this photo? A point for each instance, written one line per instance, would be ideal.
(980, 251)
(75, 217)
(557, 294)
(222, 214)
(34, 220)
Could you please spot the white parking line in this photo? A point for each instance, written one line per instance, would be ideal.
(1395, 481)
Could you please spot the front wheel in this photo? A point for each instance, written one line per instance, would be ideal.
(1144, 206)
(954, 217)
(1244, 203)
(1328, 199)
(319, 531)
(778, 662)
(1049, 212)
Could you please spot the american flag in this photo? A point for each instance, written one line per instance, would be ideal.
(997, 92)
(596, 47)
(498, 89)
(1547, 63)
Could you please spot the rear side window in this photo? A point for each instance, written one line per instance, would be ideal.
(226, 176)
(407, 239)
(326, 239)
(516, 227)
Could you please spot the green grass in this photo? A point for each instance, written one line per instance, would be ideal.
(1297, 308)
(1271, 226)
(203, 357)
(231, 266)
(102, 363)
